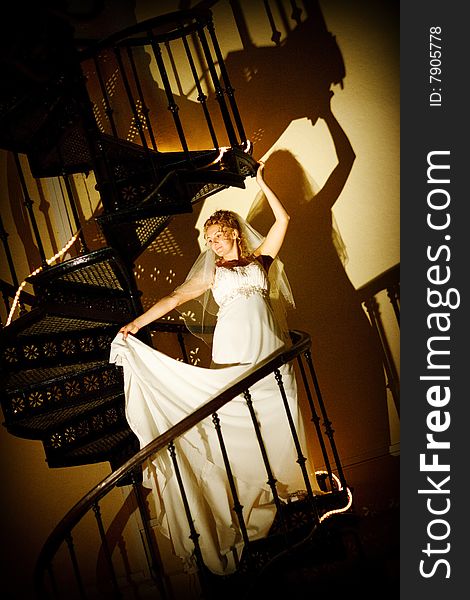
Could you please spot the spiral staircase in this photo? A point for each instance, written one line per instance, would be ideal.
(57, 384)
(93, 111)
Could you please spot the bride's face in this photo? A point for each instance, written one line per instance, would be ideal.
(223, 241)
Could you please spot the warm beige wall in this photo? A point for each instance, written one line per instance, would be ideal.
(34, 499)
(367, 213)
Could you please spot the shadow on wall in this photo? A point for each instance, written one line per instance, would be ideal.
(345, 350)
(287, 76)
(276, 84)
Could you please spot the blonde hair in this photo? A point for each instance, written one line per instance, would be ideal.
(228, 221)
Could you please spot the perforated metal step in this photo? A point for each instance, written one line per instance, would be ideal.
(115, 447)
(100, 270)
(101, 417)
(34, 397)
(42, 340)
(131, 230)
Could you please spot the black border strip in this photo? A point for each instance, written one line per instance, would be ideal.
(434, 253)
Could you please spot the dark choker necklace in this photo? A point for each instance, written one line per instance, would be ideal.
(235, 262)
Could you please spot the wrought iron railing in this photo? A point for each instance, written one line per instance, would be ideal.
(336, 499)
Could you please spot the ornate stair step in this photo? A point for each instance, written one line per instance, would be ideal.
(131, 238)
(176, 179)
(92, 286)
(97, 270)
(115, 447)
(74, 301)
(321, 557)
(131, 230)
(185, 187)
(39, 339)
(56, 422)
(141, 174)
(130, 163)
(137, 171)
(45, 392)
(101, 418)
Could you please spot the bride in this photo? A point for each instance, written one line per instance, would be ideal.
(238, 278)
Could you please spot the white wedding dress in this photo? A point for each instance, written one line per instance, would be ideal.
(160, 391)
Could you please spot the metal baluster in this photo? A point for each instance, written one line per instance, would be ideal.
(237, 506)
(173, 66)
(182, 346)
(271, 479)
(29, 207)
(301, 460)
(145, 108)
(219, 92)
(76, 569)
(107, 553)
(107, 104)
(316, 421)
(201, 98)
(130, 97)
(329, 431)
(228, 86)
(194, 535)
(153, 557)
(172, 106)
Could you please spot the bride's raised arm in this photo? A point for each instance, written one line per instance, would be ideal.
(275, 236)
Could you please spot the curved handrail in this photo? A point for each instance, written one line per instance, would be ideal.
(301, 343)
(180, 20)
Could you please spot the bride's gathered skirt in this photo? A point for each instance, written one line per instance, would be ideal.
(160, 391)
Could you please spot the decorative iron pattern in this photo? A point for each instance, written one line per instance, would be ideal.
(118, 308)
(147, 229)
(101, 275)
(37, 351)
(93, 450)
(89, 427)
(71, 385)
(41, 423)
(132, 194)
(56, 324)
(132, 238)
(199, 192)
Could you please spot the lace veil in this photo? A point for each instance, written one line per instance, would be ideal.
(198, 307)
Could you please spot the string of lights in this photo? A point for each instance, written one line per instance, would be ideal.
(49, 261)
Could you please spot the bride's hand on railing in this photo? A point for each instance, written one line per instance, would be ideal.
(129, 328)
